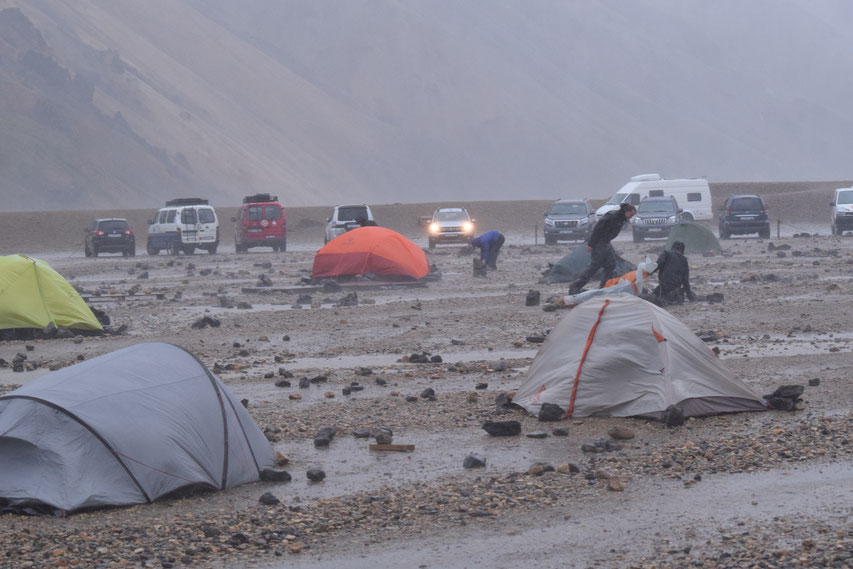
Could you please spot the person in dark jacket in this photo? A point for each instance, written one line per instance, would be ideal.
(598, 244)
(673, 274)
(490, 244)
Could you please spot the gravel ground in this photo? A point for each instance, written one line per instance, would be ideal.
(782, 321)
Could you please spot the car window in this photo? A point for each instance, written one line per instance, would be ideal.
(254, 212)
(663, 206)
(163, 215)
(656, 193)
(694, 197)
(351, 213)
(566, 208)
(747, 203)
(634, 199)
(115, 224)
(206, 215)
(272, 212)
(617, 199)
(845, 197)
(188, 215)
(170, 217)
(451, 216)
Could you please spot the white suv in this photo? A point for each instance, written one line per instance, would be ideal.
(450, 225)
(346, 217)
(842, 210)
(183, 225)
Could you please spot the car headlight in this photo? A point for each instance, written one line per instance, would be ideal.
(467, 227)
(549, 222)
(637, 220)
(433, 228)
(584, 221)
(672, 219)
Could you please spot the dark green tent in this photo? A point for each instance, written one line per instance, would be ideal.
(572, 265)
(696, 238)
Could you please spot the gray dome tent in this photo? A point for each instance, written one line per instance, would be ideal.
(573, 264)
(125, 428)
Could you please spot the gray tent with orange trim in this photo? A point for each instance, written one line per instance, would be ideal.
(620, 356)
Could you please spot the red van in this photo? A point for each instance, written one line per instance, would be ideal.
(260, 223)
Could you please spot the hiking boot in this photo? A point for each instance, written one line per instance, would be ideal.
(573, 290)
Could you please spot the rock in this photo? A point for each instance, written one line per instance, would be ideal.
(436, 359)
(411, 398)
(560, 432)
(428, 393)
(535, 339)
(481, 386)
(361, 433)
(363, 371)
(383, 435)
(537, 435)
(294, 396)
(620, 433)
(245, 403)
(380, 381)
(473, 461)
(304, 382)
(499, 366)
(473, 397)
(673, 416)
(319, 379)
(707, 335)
(316, 475)
(550, 412)
(502, 428)
(274, 475)
(814, 382)
(346, 390)
(282, 383)
(614, 484)
(329, 395)
(280, 459)
(324, 436)
(479, 268)
(591, 448)
(269, 500)
(532, 298)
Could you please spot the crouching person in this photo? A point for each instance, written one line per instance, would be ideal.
(490, 244)
(673, 275)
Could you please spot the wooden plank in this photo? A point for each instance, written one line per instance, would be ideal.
(399, 448)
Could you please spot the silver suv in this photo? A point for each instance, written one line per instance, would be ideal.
(568, 220)
(450, 225)
(655, 217)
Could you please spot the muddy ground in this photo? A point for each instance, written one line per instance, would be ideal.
(769, 489)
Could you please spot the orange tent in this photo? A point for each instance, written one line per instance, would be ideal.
(375, 250)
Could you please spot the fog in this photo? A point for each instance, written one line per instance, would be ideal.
(383, 101)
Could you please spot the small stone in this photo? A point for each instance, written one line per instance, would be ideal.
(614, 484)
(473, 461)
(620, 433)
(502, 428)
(550, 412)
(481, 386)
(814, 382)
(294, 396)
(316, 475)
(560, 432)
(473, 397)
(537, 435)
(268, 499)
(280, 459)
(329, 395)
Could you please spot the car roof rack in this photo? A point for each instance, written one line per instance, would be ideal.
(186, 201)
(257, 198)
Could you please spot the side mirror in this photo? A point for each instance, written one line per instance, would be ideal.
(233, 220)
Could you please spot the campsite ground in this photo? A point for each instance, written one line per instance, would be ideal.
(767, 489)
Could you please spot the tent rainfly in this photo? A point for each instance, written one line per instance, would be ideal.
(620, 356)
(32, 295)
(696, 238)
(376, 250)
(125, 428)
(572, 265)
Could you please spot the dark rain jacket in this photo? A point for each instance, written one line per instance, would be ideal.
(674, 272)
(607, 228)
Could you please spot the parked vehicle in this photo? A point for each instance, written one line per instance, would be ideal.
(655, 218)
(450, 225)
(109, 235)
(841, 213)
(183, 225)
(568, 220)
(260, 223)
(346, 217)
(693, 194)
(744, 213)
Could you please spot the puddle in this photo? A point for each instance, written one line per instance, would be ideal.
(379, 360)
(9, 377)
(801, 344)
(597, 527)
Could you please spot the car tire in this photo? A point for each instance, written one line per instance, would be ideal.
(211, 249)
(764, 233)
(151, 249)
(125, 253)
(283, 246)
(94, 251)
(431, 243)
(174, 248)
(686, 218)
(724, 234)
(637, 237)
(188, 249)
(88, 253)
(131, 252)
(835, 230)
(550, 240)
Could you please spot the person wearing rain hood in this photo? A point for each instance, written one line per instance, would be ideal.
(673, 275)
(490, 244)
(602, 255)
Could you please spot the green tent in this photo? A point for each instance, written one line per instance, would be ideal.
(572, 265)
(32, 295)
(696, 238)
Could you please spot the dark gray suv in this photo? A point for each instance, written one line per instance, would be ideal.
(568, 220)
(744, 213)
(655, 217)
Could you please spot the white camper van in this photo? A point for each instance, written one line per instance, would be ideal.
(692, 194)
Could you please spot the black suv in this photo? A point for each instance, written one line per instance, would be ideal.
(744, 213)
(568, 220)
(111, 235)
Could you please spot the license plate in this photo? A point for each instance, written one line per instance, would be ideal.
(654, 229)
(270, 237)
(747, 217)
(115, 234)
(255, 230)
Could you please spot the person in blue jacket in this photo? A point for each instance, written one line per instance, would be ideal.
(490, 244)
